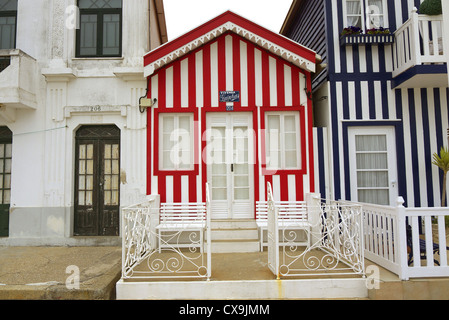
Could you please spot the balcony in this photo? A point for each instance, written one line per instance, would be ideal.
(18, 82)
(419, 56)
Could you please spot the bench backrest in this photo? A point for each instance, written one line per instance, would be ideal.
(182, 212)
(294, 210)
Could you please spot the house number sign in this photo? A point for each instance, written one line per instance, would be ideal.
(229, 96)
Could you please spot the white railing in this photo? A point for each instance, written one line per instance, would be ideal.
(400, 239)
(420, 40)
(142, 256)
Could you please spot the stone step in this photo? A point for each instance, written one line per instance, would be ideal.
(233, 224)
(235, 245)
(232, 234)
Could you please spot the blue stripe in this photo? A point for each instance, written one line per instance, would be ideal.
(385, 106)
(427, 151)
(372, 100)
(400, 147)
(414, 147)
(322, 171)
(358, 100)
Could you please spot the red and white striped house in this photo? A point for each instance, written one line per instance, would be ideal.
(233, 109)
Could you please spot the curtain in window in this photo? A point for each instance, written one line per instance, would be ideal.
(354, 13)
(375, 14)
(372, 169)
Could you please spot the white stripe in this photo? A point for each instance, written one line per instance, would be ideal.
(365, 100)
(375, 58)
(288, 85)
(408, 153)
(229, 64)
(214, 73)
(336, 37)
(169, 189)
(351, 99)
(273, 82)
(169, 87)
(340, 139)
(378, 100)
(291, 187)
(302, 85)
(349, 59)
(199, 79)
(362, 58)
(433, 147)
(243, 74)
(391, 101)
(185, 82)
(184, 189)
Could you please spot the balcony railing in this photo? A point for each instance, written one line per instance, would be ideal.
(419, 41)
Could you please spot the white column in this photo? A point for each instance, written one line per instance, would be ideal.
(445, 5)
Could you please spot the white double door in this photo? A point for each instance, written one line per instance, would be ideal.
(230, 164)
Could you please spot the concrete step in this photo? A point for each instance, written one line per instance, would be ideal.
(235, 245)
(232, 234)
(233, 224)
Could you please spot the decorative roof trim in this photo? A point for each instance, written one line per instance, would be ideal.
(230, 26)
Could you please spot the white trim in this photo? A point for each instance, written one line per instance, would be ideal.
(229, 26)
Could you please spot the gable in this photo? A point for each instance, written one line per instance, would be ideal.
(230, 22)
(229, 63)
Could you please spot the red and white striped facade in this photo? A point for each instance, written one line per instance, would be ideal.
(230, 53)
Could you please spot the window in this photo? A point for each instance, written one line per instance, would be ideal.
(282, 140)
(100, 32)
(366, 14)
(8, 23)
(176, 141)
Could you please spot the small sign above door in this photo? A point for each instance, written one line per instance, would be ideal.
(229, 96)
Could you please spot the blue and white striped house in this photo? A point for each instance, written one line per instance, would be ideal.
(380, 100)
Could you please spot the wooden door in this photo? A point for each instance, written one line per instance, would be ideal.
(97, 181)
(5, 179)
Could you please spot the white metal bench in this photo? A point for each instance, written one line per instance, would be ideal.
(182, 217)
(292, 216)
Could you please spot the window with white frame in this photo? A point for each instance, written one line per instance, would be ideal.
(282, 140)
(8, 24)
(365, 14)
(176, 141)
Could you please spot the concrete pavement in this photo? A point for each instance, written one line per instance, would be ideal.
(59, 273)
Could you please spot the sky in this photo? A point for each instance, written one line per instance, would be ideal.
(184, 15)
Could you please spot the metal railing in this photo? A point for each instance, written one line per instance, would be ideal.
(142, 258)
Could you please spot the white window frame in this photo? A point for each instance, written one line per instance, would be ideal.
(282, 165)
(365, 14)
(177, 147)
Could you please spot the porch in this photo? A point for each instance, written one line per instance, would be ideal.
(356, 251)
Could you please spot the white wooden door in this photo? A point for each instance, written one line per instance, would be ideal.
(230, 170)
(373, 168)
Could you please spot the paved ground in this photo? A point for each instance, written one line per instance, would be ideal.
(51, 273)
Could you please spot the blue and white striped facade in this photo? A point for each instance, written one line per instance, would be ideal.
(357, 89)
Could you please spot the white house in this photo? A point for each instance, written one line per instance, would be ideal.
(72, 136)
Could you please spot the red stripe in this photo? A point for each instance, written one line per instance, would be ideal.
(251, 76)
(161, 100)
(149, 146)
(162, 189)
(192, 82)
(310, 124)
(296, 99)
(284, 187)
(206, 77)
(299, 187)
(192, 188)
(177, 188)
(177, 84)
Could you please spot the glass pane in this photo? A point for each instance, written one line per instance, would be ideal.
(2, 150)
(115, 151)
(241, 193)
(7, 184)
(374, 196)
(82, 154)
(81, 200)
(99, 4)
(115, 167)
(89, 198)
(89, 182)
(90, 167)
(6, 196)
(220, 181)
(371, 143)
(8, 5)
(90, 151)
(241, 181)
(115, 182)
(82, 167)
(107, 167)
(82, 183)
(111, 34)
(290, 141)
(88, 35)
(219, 194)
(372, 161)
(354, 13)
(291, 160)
(107, 197)
(114, 198)
(7, 32)
(107, 151)
(372, 179)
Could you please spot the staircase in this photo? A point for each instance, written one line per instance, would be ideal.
(239, 235)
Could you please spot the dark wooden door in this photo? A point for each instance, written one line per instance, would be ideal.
(5, 179)
(97, 181)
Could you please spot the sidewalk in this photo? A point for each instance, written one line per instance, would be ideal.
(41, 273)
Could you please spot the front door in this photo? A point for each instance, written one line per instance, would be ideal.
(230, 169)
(5, 179)
(372, 154)
(97, 181)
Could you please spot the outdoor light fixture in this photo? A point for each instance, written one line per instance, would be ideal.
(145, 103)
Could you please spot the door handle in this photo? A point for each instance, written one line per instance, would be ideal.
(232, 167)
